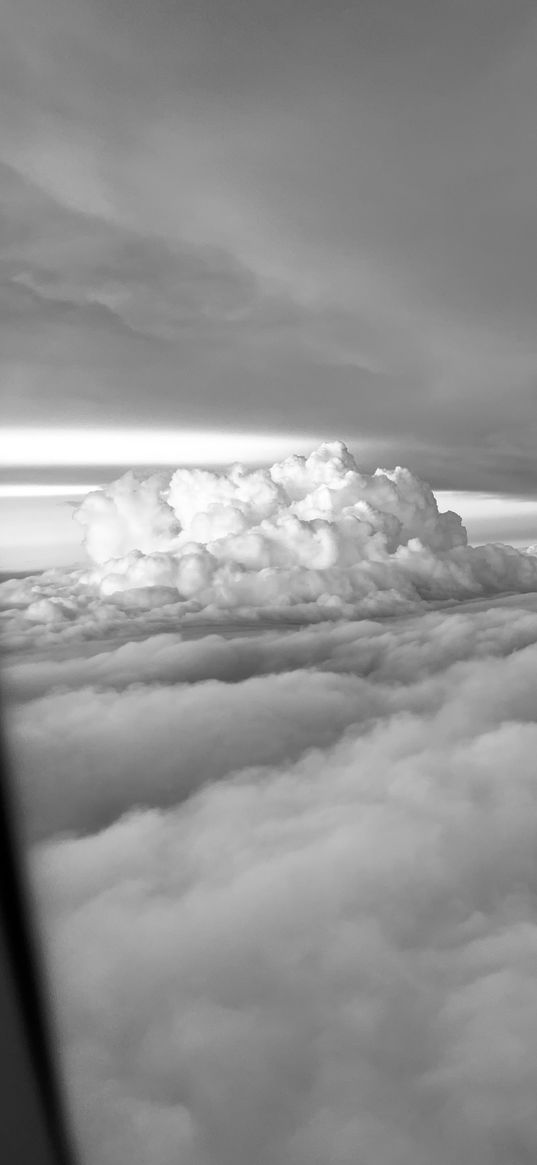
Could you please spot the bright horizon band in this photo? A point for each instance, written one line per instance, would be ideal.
(38, 490)
(96, 447)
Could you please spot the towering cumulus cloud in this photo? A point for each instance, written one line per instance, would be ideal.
(308, 530)
(307, 540)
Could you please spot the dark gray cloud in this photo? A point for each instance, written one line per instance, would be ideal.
(264, 215)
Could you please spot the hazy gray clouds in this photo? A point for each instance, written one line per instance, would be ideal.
(317, 939)
(261, 215)
(149, 723)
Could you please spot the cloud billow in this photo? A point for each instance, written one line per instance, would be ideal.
(286, 889)
(309, 530)
(307, 540)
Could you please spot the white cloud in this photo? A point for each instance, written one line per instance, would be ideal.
(307, 540)
(307, 530)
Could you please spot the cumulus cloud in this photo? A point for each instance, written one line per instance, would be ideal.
(309, 530)
(309, 539)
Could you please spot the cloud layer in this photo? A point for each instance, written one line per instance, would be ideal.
(305, 932)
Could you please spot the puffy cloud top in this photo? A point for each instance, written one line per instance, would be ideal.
(314, 512)
(307, 540)
(308, 530)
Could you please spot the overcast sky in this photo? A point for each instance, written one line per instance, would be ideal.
(274, 216)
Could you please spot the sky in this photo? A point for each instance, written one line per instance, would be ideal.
(265, 217)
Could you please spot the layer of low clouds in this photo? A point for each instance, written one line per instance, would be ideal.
(286, 889)
(221, 212)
